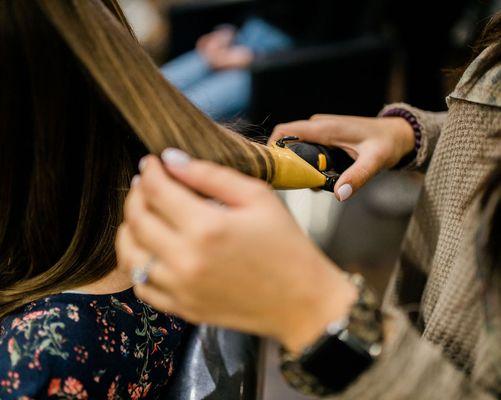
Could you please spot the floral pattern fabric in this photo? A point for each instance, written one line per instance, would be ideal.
(76, 346)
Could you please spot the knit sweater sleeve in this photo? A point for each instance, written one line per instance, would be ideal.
(412, 368)
(431, 125)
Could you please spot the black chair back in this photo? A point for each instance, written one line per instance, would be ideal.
(217, 364)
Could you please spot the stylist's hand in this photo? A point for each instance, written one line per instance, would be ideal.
(245, 265)
(374, 143)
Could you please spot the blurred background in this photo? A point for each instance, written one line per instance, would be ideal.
(255, 63)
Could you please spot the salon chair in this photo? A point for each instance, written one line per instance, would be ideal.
(217, 364)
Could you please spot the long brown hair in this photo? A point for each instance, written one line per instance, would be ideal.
(77, 92)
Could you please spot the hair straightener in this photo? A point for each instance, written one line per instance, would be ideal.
(302, 165)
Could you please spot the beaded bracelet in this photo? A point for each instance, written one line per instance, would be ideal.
(416, 127)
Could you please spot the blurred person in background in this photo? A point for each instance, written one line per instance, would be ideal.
(216, 77)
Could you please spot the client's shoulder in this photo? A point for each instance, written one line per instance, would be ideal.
(87, 344)
(63, 328)
(35, 342)
(53, 314)
(41, 328)
(57, 323)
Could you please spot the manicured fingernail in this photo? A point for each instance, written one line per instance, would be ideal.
(135, 180)
(142, 164)
(175, 158)
(344, 192)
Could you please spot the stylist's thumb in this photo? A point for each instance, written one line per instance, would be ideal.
(361, 171)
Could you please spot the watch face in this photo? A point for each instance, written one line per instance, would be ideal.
(337, 361)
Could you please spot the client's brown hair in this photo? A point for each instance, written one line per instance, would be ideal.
(77, 92)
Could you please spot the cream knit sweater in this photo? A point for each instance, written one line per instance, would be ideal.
(444, 338)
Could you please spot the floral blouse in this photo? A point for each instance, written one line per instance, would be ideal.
(79, 346)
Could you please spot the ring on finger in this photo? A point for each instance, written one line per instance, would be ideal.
(140, 274)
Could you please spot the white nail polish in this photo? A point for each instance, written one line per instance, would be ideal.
(135, 180)
(142, 164)
(344, 192)
(175, 157)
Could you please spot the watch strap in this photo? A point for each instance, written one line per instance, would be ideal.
(346, 349)
(416, 127)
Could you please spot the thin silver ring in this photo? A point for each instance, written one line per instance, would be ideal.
(139, 274)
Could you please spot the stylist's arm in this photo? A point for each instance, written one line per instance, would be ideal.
(245, 265)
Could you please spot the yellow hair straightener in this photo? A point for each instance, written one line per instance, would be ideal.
(301, 165)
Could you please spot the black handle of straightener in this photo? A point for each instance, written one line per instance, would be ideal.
(336, 159)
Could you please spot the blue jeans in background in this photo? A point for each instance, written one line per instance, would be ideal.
(225, 94)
